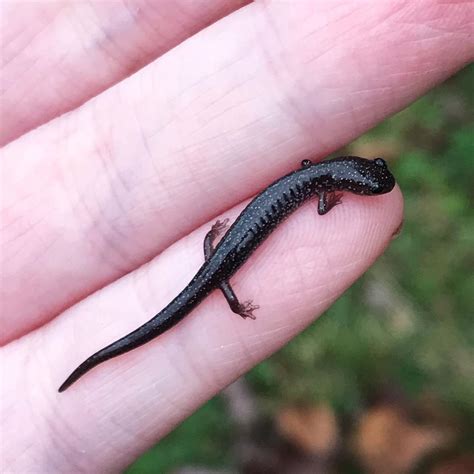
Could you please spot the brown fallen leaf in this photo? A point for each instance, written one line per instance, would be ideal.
(313, 429)
(386, 441)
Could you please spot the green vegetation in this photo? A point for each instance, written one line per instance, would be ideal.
(203, 439)
(408, 321)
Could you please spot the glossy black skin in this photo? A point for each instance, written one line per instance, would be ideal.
(254, 224)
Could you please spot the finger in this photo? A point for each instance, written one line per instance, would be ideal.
(133, 400)
(102, 190)
(89, 45)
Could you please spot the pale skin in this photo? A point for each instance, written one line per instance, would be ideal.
(143, 170)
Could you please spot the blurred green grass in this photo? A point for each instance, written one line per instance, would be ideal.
(408, 321)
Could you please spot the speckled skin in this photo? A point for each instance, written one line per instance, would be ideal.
(251, 228)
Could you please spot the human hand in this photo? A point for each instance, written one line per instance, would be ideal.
(144, 169)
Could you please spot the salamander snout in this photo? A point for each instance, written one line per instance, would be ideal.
(380, 178)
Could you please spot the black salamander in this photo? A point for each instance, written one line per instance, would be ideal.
(250, 229)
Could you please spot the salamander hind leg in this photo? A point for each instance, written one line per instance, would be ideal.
(217, 229)
(244, 309)
(327, 201)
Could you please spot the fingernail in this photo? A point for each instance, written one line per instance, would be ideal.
(398, 230)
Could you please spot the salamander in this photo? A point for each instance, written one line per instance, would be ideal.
(324, 180)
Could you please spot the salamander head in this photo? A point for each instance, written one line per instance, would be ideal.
(359, 175)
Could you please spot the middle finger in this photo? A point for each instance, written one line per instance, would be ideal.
(99, 191)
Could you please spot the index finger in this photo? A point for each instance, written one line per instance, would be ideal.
(116, 411)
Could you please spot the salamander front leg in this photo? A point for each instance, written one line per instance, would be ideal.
(244, 309)
(327, 201)
(217, 229)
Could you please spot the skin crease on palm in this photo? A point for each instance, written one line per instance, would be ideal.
(144, 167)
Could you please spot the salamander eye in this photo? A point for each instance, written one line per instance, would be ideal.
(380, 162)
(306, 163)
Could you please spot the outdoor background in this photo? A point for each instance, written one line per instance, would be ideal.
(384, 381)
